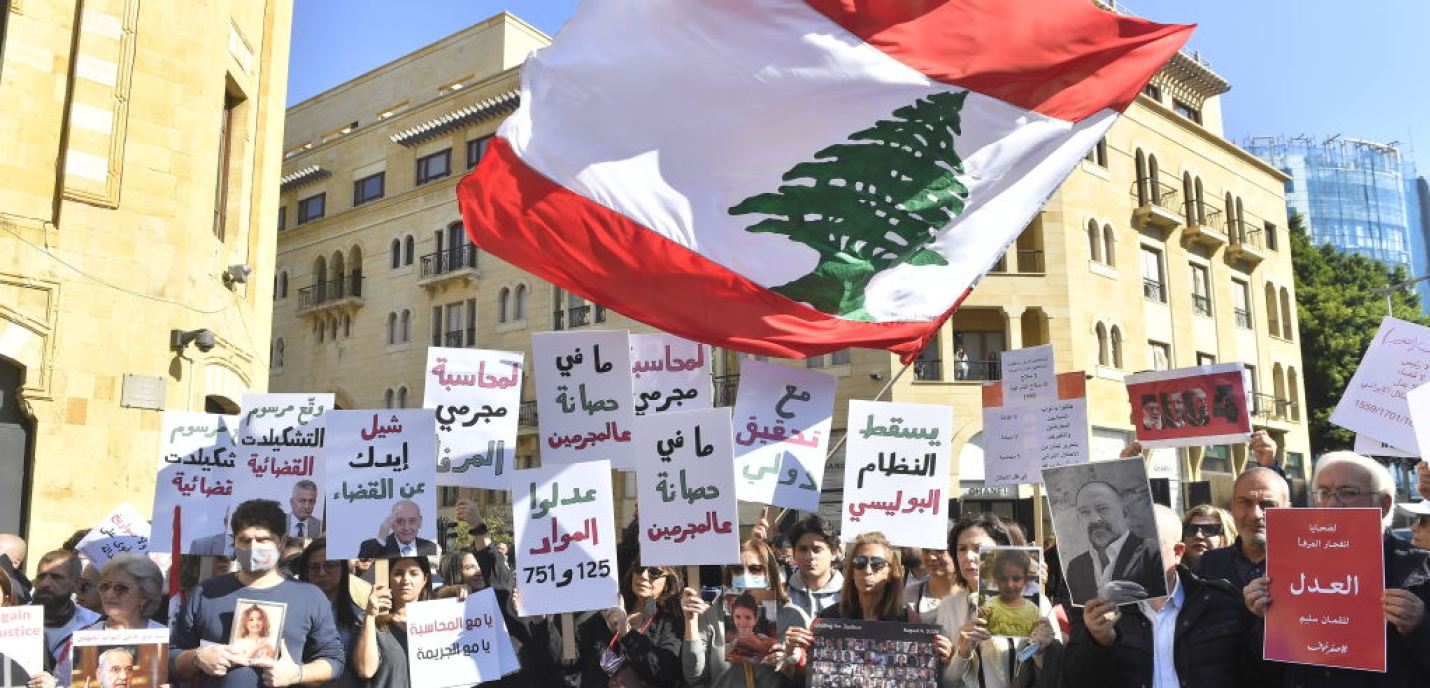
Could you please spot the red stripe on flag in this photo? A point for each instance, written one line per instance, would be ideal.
(550, 231)
(1063, 58)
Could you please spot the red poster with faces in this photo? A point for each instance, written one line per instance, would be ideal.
(1327, 571)
(1190, 407)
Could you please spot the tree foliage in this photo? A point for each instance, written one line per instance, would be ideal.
(1338, 316)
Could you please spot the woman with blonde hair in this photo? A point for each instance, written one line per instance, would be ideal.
(254, 638)
(1205, 527)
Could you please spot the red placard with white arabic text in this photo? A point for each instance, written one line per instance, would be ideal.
(1327, 571)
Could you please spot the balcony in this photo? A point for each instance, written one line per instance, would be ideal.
(578, 316)
(1205, 225)
(1158, 205)
(343, 292)
(526, 415)
(725, 388)
(1243, 318)
(1154, 290)
(928, 370)
(1202, 305)
(459, 338)
(449, 265)
(1248, 243)
(1272, 407)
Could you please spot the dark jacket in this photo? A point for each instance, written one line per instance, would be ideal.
(389, 549)
(654, 654)
(1407, 657)
(1231, 565)
(537, 645)
(1212, 647)
(1139, 561)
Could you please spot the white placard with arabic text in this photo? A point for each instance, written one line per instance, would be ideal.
(1021, 439)
(669, 374)
(566, 538)
(382, 482)
(1028, 374)
(583, 396)
(122, 531)
(1397, 361)
(782, 421)
(280, 447)
(197, 458)
(453, 643)
(476, 397)
(1370, 446)
(896, 477)
(686, 489)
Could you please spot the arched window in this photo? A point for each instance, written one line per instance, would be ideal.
(1189, 197)
(406, 328)
(337, 265)
(1094, 241)
(503, 298)
(409, 247)
(333, 326)
(1201, 203)
(1103, 354)
(1232, 228)
(282, 289)
(347, 325)
(391, 328)
(1293, 387)
(1273, 322)
(278, 347)
(320, 274)
(1116, 347)
(322, 330)
(1154, 176)
(1109, 246)
(402, 397)
(387, 398)
(396, 253)
(518, 306)
(1288, 330)
(1143, 195)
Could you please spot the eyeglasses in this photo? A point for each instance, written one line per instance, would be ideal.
(651, 572)
(875, 564)
(324, 566)
(1344, 493)
(119, 589)
(754, 569)
(1202, 530)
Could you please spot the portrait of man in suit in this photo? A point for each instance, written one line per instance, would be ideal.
(397, 537)
(1119, 566)
(1174, 409)
(301, 521)
(218, 544)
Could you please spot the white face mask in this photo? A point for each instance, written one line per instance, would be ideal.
(256, 559)
(748, 581)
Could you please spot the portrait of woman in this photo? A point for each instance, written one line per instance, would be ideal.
(255, 632)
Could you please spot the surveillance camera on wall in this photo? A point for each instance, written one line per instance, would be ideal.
(205, 341)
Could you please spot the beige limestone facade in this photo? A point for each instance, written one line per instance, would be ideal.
(141, 157)
(1118, 272)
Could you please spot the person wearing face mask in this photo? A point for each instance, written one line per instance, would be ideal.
(309, 649)
(703, 654)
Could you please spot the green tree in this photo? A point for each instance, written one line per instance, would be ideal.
(1338, 316)
(869, 205)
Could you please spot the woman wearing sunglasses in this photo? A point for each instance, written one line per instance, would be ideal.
(638, 642)
(333, 578)
(131, 591)
(704, 655)
(980, 660)
(923, 597)
(1205, 527)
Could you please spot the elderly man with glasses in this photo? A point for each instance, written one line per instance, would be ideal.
(1343, 480)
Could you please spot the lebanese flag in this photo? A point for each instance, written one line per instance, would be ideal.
(793, 177)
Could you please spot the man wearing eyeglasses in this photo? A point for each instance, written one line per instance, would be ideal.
(1348, 480)
(1255, 491)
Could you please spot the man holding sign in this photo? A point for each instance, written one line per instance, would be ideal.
(1347, 479)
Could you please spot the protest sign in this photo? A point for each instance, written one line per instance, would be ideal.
(1419, 402)
(782, 420)
(687, 488)
(382, 483)
(122, 531)
(1095, 505)
(858, 654)
(900, 485)
(583, 396)
(669, 374)
(1020, 438)
(1371, 446)
(280, 441)
(197, 455)
(570, 567)
(118, 659)
(257, 631)
(1028, 374)
(22, 644)
(453, 643)
(1327, 578)
(1397, 361)
(476, 397)
(1191, 407)
(751, 627)
(1007, 582)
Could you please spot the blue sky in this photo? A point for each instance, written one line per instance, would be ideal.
(1317, 67)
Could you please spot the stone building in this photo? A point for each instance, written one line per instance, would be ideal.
(138, 182)
(1154, 254)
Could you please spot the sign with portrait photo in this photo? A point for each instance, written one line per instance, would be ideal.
(1191, 407)
(1007, 581)
(257, 628)
(121, 659)
(849, 653)
(197, 460)
(280, 444)
(382, 483)
(751, 630)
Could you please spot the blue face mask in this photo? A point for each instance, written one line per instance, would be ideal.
(747, 581)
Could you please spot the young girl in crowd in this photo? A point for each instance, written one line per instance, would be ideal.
(335, 579)
(1009, 613)
(379, 657)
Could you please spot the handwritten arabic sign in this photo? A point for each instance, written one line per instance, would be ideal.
(1023, 437)
(1419, 401)
(1371, 446)
(280, 439)
(1028, 374)
(122, 531)
(476, 396)
(669, 374)
(583, 396)
(452, 643)
(687, 489)
(566, 538)
(1191, 407)
(382, 482)
(1327, 577)
(782, 421)
(898, 484)
(1397, 361)
(197, 456)
(22, 640)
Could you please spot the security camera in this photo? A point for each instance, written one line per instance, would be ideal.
(205, 341)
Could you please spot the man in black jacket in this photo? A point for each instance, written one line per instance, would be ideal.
(1196, 637)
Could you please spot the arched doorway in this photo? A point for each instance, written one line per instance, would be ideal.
(16, 450)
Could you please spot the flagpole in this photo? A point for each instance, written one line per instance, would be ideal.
(838, 445)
